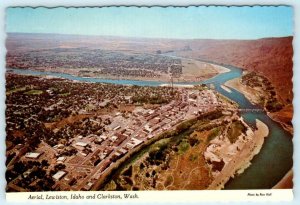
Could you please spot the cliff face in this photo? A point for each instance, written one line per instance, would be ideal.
(270, 57)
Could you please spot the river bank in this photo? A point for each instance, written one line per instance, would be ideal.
(286, 113)
(242, 159)
(249, 93)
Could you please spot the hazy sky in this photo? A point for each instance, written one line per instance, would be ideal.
(186, 23)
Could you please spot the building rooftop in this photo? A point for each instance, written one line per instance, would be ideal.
(32, 155)
(59, 175)
(61, 159)
(81, 144)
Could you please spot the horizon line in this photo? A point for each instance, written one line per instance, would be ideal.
(141, 37)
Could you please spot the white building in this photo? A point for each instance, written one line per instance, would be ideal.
(61, 159)
(59, 175)
(81, 144)
(32, 155)
(133, 143)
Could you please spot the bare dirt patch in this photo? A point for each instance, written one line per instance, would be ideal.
(250, 93)
(194, 70)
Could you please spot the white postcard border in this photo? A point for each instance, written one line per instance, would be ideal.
(153, 196)
(161, 196)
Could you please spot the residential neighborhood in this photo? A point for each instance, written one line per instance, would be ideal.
(77, 138)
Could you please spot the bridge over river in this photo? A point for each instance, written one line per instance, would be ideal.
(251, 110)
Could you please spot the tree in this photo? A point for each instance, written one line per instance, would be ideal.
(45, 163)
(19, 167)
(59, 167)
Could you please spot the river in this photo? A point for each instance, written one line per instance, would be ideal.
(275, 158)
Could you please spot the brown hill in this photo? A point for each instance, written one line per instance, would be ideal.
(271, 57)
